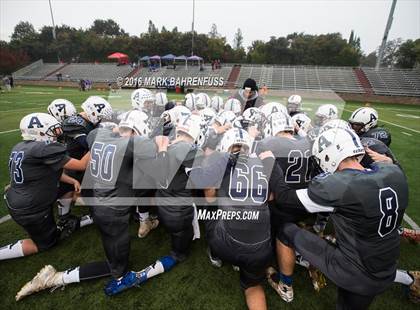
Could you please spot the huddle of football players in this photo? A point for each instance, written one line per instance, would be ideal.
(163, 160)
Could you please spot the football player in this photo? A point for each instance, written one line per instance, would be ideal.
(294, 105)
(75, 130)
(243, 189)
(293, 156)
(364, 122)
(363, 261)
(35, 167)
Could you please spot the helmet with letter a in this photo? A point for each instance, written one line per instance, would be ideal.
(363, 119)
(40, 127)
(61, 109)
(332, 146)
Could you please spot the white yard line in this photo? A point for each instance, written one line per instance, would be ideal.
(406, 133)
(410, 222)
(393, 124)
(5, 218)
(8, 131)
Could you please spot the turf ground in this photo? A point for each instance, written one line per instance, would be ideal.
(195, 283)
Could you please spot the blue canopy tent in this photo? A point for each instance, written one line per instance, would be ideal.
(169, 59)
(156, 58)
(195, 58)
(182, 58)
(144, 59)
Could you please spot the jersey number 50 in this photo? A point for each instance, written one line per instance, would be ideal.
(244, 184)
(102, 160)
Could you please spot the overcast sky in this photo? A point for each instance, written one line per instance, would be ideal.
(257, 19)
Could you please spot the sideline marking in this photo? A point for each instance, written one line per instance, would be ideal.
(406, 133)
(410, 222)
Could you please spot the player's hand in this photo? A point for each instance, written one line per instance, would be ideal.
(162, 143)
(76, 185)
(376, 157)
(266, 154)
(253, 131)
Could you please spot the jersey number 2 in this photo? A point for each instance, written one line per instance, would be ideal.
(388, 202)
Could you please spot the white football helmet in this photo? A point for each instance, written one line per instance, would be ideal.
(335, 123)
(333, 146)
(190, 101)
(303, 121)
(278, 122)
(253, 116)
(294, 103)
(161, 99)
(40, 127)
(142, 98)
(208, 115)
(217, 103)
(61, 109)
(108, 125)
(136, 121)
(233, 105)
(325, 113)
(273, 107)
(364, 119)
(173, 115)
(235, 136)
(203, 102)
(97, 109)
(191, 125)
(225, 118)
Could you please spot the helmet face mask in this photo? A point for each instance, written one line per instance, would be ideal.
(325, 113)
(61, 109)
(294, 103)
(97, 109)
(235, 140)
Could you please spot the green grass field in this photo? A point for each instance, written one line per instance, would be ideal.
(194, 284)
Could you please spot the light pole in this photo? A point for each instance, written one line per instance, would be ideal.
(385, 37)
(53, 29)
(192, 34)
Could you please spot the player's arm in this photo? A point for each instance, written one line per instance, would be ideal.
(285, 196)
(69, 180)
(76, 164)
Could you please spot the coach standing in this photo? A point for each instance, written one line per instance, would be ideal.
(248, 95)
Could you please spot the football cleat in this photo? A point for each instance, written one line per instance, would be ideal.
(285, 291)
(412, 235)
(115, 286)
(47, 277)
(317, 278)
(215, 261)
(414, 288)
(67, 225)
(146, 226)
(236, 268)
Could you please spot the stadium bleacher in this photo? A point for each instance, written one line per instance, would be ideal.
(394, 82)
(107, 72)
(311, 78)
(389, 82)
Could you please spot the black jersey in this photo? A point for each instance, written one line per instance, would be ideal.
(293, 158)
(35, 169)
(377, 146)
(75, 131)
(243, 194)
(379, 133)
(368, 209)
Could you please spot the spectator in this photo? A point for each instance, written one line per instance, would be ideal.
(11, 81)
(6, 83)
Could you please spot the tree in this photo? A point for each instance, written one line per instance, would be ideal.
(152, 28)
(107, 28)
(238, 40)
(213, 34)
(389, 58)
(408, 54)
(22, 31)
(369, 60)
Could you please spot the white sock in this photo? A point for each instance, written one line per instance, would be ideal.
(401, 276)
(86, 220)
(71, 275)
(143, 216)
(12, 250)
(64, 206)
